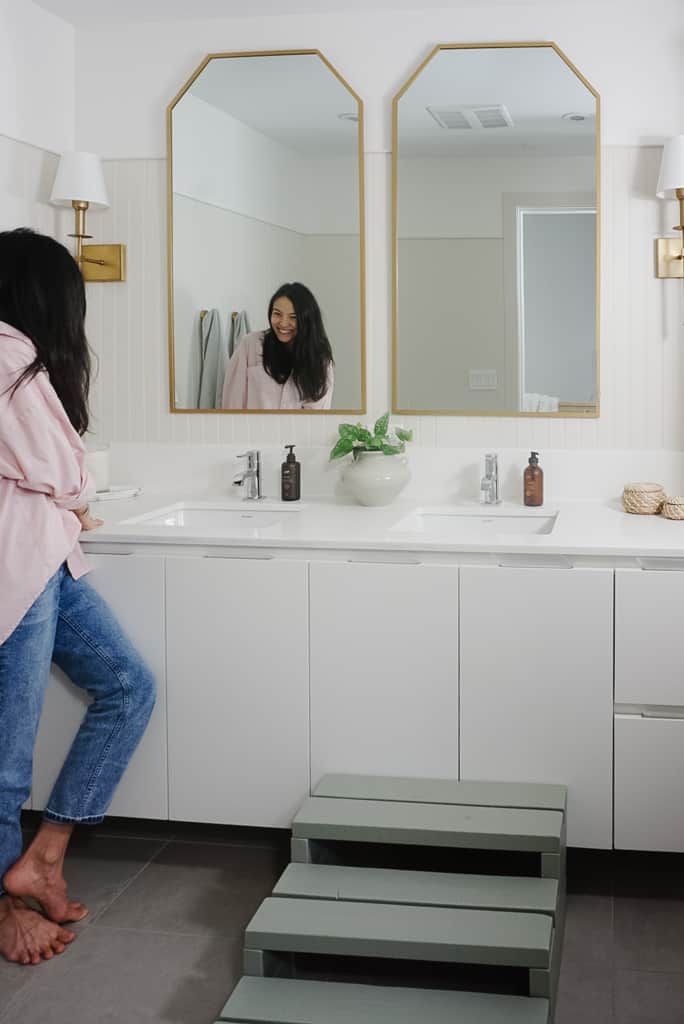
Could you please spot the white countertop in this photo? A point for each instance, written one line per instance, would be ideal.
(589, 529)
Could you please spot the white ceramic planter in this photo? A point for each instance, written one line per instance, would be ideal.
(376, 479)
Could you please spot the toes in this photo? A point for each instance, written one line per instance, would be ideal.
(58, 947)
(76, 912)
(65, 936)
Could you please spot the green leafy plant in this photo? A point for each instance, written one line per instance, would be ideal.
(355, 438)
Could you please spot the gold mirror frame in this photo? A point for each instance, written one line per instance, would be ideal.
(169, 243)
(579, 413)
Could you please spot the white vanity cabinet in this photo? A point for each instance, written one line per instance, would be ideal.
(133, 585)
(649, 720)
(536, 685)
(237, 679)
(384, 669)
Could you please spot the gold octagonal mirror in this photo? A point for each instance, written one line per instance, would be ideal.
(495, 234)
(266, 237)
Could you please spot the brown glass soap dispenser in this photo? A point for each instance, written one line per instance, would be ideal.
(533, 481)
(290, 477)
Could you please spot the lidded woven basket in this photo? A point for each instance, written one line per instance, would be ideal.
(673, 508)
(643, 499)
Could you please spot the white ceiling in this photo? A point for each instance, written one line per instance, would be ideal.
(535, 85)
(89, 13)
(292, 98)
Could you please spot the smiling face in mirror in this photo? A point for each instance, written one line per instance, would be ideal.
(265, 185)
(283, 319)
(495, 235)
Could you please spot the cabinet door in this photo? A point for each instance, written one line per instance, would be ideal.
(237, 689)
(649, 797)
(133, 586)
(536, 686)
(649, 638)
(384, 669)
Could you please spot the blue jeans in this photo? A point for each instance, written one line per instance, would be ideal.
(70, 624)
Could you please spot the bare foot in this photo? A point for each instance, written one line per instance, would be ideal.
(35, 876)
(26, 937)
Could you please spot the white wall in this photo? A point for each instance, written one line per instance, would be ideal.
(37, 112)
(629, 52)
(226, 163)
(450, 321)
(26, 176)
(463, 198)
(37, 76)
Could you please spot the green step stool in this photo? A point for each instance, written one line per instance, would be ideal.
(284, 1001)
(514, 816)
(437, 934)
(419, 888)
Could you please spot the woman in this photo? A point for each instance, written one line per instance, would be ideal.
(47, 610)
(289, 366)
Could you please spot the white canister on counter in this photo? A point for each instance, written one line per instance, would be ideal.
(97, 461)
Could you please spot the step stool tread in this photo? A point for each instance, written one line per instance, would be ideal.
(422, 888)
(285, 1001)
(531, 795)
(381, 821)
(451, 935)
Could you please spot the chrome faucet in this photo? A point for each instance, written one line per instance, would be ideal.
(251, 478)
(489, 485)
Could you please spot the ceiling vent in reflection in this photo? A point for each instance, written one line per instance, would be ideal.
(472, 118)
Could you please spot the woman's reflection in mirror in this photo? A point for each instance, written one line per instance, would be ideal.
(288, 366)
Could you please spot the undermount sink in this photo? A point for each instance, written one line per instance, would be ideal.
(475, 523)
(226, 520)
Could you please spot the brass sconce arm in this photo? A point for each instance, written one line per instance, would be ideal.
(670, 251)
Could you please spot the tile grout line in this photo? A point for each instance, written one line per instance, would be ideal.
(127, 884)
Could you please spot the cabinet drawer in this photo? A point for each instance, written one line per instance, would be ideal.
(649, 638)
(649, 795)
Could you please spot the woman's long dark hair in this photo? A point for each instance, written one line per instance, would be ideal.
(43, 296)
(308, 358)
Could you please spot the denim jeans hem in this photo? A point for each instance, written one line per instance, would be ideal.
(63, 819)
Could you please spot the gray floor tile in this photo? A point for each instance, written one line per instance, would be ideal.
(585, 995)
(98, 868)
(197, 889)
(589, 930)
(643, 997)
(122, 976)
(13, 977)
(649, 935)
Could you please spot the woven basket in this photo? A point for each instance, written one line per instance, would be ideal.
(673, 508)
(643, 499)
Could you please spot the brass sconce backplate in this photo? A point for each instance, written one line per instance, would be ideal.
(103, 262)
(669, 262)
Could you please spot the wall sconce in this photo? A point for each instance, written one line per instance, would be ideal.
(670, 251)
(79, 183)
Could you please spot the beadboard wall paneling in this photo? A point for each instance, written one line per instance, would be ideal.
(642, 372)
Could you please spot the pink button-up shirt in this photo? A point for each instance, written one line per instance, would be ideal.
(248, 386)
(42, 476)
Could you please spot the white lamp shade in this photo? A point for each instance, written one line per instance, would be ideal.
(79, 176)
(671, 174)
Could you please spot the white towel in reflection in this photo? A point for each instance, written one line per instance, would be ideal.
(539, 403)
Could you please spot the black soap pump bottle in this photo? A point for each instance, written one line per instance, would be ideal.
(533, 481)
(290, 477)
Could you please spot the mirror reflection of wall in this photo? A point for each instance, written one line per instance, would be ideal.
(264, 190)
(495, 192)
